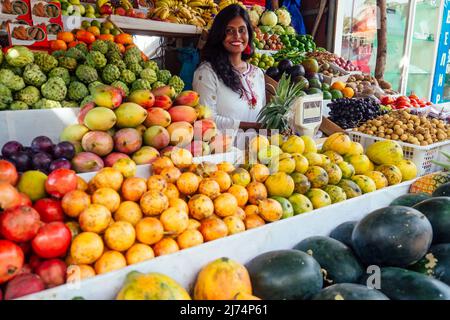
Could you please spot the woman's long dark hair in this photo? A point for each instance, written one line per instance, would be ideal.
(215, 53)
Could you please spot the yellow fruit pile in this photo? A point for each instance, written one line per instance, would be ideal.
(196, 12)
(120, 220)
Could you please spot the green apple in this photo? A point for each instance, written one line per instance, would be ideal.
(64, 12)
(89, 8)
(74, 1)
(81, 8)
(90, 15)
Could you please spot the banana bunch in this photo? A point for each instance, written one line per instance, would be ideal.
(194, 12)
(126, 4)
(100, 3)
(225, 3)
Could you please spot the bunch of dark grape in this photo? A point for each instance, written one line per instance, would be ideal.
(350, 113)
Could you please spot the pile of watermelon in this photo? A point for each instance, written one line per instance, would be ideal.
(400, 252)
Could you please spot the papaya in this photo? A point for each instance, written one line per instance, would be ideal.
(288, 210)
(350, 188)
(336, 193)
(222, 279)
(339, 142)
(379, 179)
(365, 183)
(360, 162)
(151, 286)
(300, 203)
(391, 172)
(319, 198)
(317, 176)
(385, 152)
(334, 173)
(355, 149)
(334, 156)
(407, 168)
(301, 182)
(347, 169)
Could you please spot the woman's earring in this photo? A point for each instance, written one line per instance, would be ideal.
(247, 49)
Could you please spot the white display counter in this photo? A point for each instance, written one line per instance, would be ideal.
(183, 266)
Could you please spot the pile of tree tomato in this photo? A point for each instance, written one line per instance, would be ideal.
(403, 102)
(33, 237)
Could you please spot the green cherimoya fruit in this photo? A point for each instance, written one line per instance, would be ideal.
(3, 106)
(83, 48)
(132, 55)
(149, 75)
(121, 85)
(110, 73)
(94, 85)
(158, 84)
(19, 56)
(113, 47)
(86, 74)
(68, 63)
(127, 76)
(58, 54)
(177, 83)
(5, 94)
(30, 95)
(164, 76)
(150, 64)
(96, 59)
(45, 61)
(77, 91)
(141, 84)
(47, 104)
(113, 56)
(100, 45)
(61, 72)
(86, 100)
(135, 68)
(69, 104)
(54, 89)
(76, 53)
(33, 75)
(11, 80)
(18, 105)
(120, 64)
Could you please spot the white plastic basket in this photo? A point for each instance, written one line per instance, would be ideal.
(420, 155)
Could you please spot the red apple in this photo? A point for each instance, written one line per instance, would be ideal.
(121, 11)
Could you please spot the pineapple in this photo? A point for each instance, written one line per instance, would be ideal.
(275, 114)
(430, 182)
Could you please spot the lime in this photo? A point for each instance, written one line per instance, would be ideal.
(115, 32)
(336, 94)
(96, 23)
(260, 46)
(327, 95)
(32, 183)
(105, 31)
(262, 65)
(108, 25)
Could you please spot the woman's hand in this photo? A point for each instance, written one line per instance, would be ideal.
(250, 125)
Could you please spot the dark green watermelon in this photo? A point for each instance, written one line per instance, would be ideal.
(392, 236)
(436, 263)
(349, 291)
(410, 199)
(402, 284)
(285, 275)
(336, 259)
(437, 210)
(442, 190)
(343, 233)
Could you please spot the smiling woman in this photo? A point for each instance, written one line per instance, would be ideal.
(231, 87)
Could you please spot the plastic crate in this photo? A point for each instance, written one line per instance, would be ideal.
(420, 155)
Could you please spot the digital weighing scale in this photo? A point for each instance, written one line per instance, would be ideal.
(308, 114)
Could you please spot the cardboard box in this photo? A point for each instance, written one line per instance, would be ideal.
(34, 36)
(48, 13)
(331, 80)
(17, 10)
